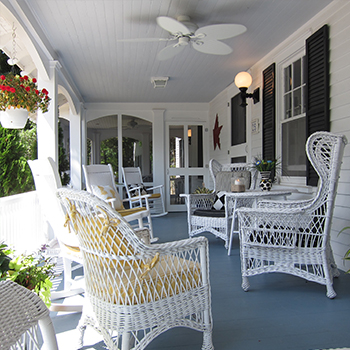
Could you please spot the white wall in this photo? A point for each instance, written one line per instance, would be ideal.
(336, 15)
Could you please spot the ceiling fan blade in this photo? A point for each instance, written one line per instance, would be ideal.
(142, 40)
(172, 25)
(169, 52)
(221, 31)
(212, 47)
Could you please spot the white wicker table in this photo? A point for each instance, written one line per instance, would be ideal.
(249, 199)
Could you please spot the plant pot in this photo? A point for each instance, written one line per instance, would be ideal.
(14, 118)
(265, 182)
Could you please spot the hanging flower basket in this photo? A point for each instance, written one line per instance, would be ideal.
(14, 118)
(18, 95)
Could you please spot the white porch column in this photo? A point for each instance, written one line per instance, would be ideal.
(76, 151)
(145, 154)
(47, 123)
(158, 147)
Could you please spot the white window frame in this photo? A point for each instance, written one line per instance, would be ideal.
(286, 180)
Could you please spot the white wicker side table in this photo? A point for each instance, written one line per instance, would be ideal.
(249, 199)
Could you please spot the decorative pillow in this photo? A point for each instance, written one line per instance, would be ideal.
(219, 202)
(107, 193)
(136, 192)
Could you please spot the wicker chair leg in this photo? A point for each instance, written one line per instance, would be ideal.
(81, 329)
(331, 294)
(245, 283)
(207, 341)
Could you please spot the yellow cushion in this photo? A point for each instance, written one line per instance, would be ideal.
(125, 212)
(170, 276)
(107, 193)
(131, 280)
(154, 195)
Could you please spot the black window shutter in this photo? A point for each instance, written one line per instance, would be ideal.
(317, 89)
(268, 113)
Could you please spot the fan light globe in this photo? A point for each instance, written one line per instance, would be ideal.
(243, 80)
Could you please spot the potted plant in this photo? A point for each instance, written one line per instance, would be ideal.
(18, 97)
(265, 168)
(32, 271)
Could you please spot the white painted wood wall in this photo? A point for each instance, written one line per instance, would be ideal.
(336, 15)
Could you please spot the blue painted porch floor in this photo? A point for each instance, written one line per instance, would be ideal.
(280, 312)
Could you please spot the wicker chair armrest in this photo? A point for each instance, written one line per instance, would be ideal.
(284, 204)
(198, 201)
(179, 246)
(266, 228)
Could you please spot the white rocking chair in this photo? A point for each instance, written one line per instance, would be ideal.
(294, 236)
(65, 243)
(100, 181)
(135, 188)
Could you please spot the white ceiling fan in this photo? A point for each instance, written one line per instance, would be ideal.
(205, 39)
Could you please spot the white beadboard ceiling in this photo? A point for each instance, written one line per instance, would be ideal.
(84, 37)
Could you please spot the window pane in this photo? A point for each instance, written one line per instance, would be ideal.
(293, 148)
(195, 146)
(287, 106)
(176, 188)
(238, 121)
(297, 73)
(196, 181)
(137, 145)
(176, 135)
(287, 78)
(297, 102)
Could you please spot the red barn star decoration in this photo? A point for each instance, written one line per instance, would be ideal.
(216, 132)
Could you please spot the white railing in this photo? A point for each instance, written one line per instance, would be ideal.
(21, 223)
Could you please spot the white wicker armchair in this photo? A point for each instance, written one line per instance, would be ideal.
(294, 236)
(202, 217)
(25, 320)
(136, 291)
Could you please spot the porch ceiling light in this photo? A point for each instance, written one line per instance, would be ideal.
(243, 80)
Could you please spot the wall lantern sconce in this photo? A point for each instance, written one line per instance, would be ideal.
(243, 80)
(189, 134)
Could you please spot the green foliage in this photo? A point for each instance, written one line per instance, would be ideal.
(63, 161)
(265, 165)
(15, 174)
(109, 152)
(202, 189)
(32, 271)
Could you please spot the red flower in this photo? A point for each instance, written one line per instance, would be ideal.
(45, 91)
(37, 92)
(13, 90)
(2, 77)
(34, 80)
(27, 88)
(25, 77)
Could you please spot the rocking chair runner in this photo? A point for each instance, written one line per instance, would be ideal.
(294, 236)
(135, 292)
